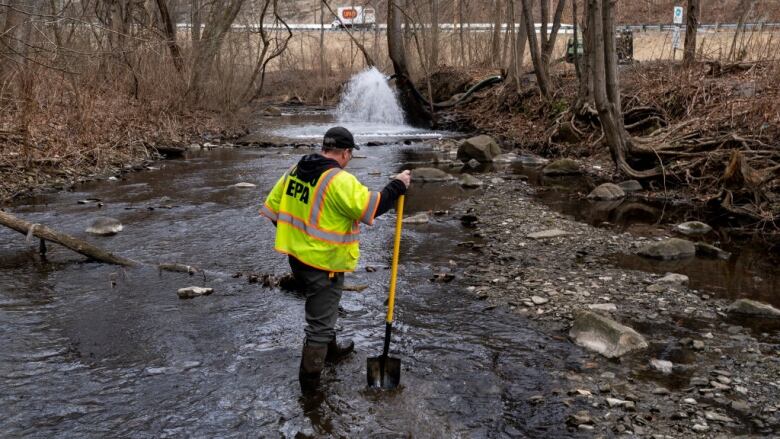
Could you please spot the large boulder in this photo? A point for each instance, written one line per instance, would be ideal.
(566, 134)
(607, 192)
(755, 308)
(669, 249)
(604, 335)
(562, 167)
(104, 226)
(481, 148)
(430, 175)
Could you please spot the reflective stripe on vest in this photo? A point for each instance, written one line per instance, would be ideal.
(373, 203)
(270, 214)
(314, 232)
(319, 195)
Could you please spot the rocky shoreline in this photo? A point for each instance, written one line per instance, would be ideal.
(706, 371)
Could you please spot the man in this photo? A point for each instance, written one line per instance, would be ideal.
(317, 207)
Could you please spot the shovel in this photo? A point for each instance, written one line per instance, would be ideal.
(383, 371)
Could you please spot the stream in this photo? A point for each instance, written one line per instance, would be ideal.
(92, 350)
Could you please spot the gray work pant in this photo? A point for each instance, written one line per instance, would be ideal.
(323, 293)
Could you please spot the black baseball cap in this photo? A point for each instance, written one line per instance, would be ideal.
(338, 137)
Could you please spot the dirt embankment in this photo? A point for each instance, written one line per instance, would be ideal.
(55, 143)
(715, 127)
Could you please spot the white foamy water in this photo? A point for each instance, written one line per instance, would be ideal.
(369, 98)
(369, 109)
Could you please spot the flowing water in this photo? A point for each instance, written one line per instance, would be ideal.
(92, 350)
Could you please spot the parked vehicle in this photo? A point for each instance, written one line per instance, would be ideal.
(355, 17)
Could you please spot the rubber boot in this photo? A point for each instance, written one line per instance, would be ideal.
(312, 361)
(337, 351)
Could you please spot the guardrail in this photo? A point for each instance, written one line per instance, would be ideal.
(485, 27)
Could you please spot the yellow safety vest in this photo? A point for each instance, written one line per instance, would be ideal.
(317, 222)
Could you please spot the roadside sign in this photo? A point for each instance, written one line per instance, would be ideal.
(678, 15)
(676, 38)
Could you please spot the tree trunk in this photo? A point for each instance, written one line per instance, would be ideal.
(170, 34)
(217, 26)
(433, 53)
(691, 28)
(542, 77)
(584, 103)
(519, 39)
(195, 22)
(601, 26)
(64, 240)
(495, 41)
(415, 112)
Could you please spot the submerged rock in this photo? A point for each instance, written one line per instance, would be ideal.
(509, 157)
(420, 218)
(469, 181)
(607, 192)
(272, 111)
(190, 292)
(708, 250)
(562, 167)
(605, 336)
(105, 226)
(531, 160)
(693, 228)
(430, 175)
(482, 148)
(753, 307)
(669, 249)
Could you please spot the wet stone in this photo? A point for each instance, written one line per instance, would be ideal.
(420, 218)
(244, 185)
(430, 175)
(607, 192)
(606, 307)
(753, 307)
(663, 366)
(562, 167)
(674, 279)
(191, 292)
(630, 186)
(105, 226)
(710, 251)
(693, 228)
(469, 181)
(482, 148)
(605, 336)
(538, 300)
(669, 249)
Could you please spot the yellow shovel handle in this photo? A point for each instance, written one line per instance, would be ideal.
(399, 209)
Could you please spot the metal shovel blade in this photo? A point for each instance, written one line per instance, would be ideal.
(385, 376)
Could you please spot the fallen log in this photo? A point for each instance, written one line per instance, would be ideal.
(65, 240)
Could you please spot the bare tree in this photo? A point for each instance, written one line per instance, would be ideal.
(582, 63)
(495, 40)
(170, 34)
(518, 40)
(691, 28)
(415, 111)
(601, 25)
(540, 56)
(745, 7)
(218, 23)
